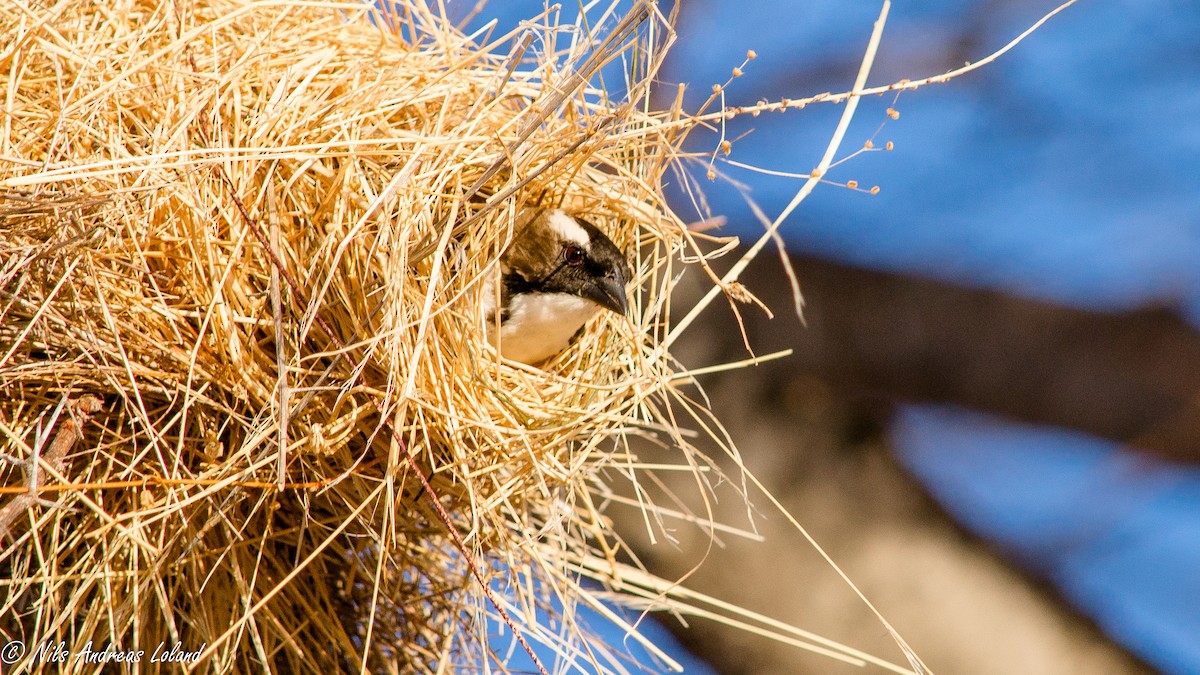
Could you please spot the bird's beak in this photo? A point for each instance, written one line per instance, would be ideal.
(609, 293)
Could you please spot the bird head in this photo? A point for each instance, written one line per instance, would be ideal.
(557, 253)
(557, 273)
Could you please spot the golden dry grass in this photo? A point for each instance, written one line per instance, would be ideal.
(255, 233)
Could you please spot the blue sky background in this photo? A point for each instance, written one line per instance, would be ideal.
(1066, 172)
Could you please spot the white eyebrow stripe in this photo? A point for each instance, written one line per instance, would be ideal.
(567, 228)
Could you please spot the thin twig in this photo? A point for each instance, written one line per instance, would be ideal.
(71, 430)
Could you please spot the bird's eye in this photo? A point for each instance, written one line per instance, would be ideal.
(573, 255)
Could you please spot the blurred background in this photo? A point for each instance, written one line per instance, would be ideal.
(990, 420)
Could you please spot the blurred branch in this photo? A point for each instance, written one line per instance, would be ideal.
(1131, 377)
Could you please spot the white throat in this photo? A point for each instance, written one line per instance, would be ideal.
(540, 325)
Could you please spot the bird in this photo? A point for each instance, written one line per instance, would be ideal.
(558, 272)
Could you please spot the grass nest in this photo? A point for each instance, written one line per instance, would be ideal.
(246, 401)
